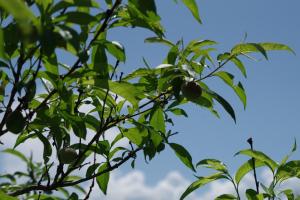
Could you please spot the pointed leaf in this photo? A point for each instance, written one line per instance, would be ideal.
(226, 197)
(201, 182)
(18, 9)
(259, 156)
(246, 168)
(183, 155)
(157, 119)
(192, 6)
(103, 179)
(212, 163)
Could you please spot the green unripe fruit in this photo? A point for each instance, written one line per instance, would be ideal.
(67, 155)
(191, 90)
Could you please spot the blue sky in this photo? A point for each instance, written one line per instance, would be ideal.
(272, 113)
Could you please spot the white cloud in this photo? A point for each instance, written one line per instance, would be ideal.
(132, 186)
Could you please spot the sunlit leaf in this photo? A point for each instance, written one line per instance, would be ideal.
(246, 168)
(192, 6)
(259, 156)
(201, 182)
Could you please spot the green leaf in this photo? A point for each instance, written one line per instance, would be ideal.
(183, 155)
(235, 60)
(103, 179)
(157, 119)
(16, 153)
(201, 182)
(126, 90)
(159, 40)
(135, 135)
(76, 17)
(248, 48)
(99, 59)
(289, 170)
(252, 195)
(238, 89)
(47, 147)
(18, 9)
(259, 156)
(225, 105)
(192, 6)
(77, 123)
(289, 194)
(2, 51)
(92, 168)
(178, 111)
(226, 197)
(116, 49)
(74, 3)
(246, 168)
(268, 46)
(213, 164)
(15, 122)
(6, 197)
(145, 6)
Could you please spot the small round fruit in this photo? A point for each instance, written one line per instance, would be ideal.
(191, 90)
(67, 155)
(15, 122)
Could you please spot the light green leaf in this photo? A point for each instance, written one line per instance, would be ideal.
(183, 155)
(238, 89)
(248, 48)
(201, 182)
(268, 46)
(192, 6)
(6, 197)
(289, 170)
(178, 111)
(246, 168)
(159, 40)
(18, 9)
(235, 60)
(289, 194)
(103, 179)
(74, 3)
(157, 119)
(213, 164)
(16, 153)
(126, 90)
(135, 135)
(259, 156)
(116, 49)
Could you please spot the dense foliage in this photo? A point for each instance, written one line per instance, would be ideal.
(44, 98)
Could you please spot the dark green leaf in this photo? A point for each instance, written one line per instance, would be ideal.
(178, 111)
(47, 147)
(77, 17)
(226, 197)
(103, 179)
(183, 155)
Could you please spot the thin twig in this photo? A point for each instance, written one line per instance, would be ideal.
(250, 141)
